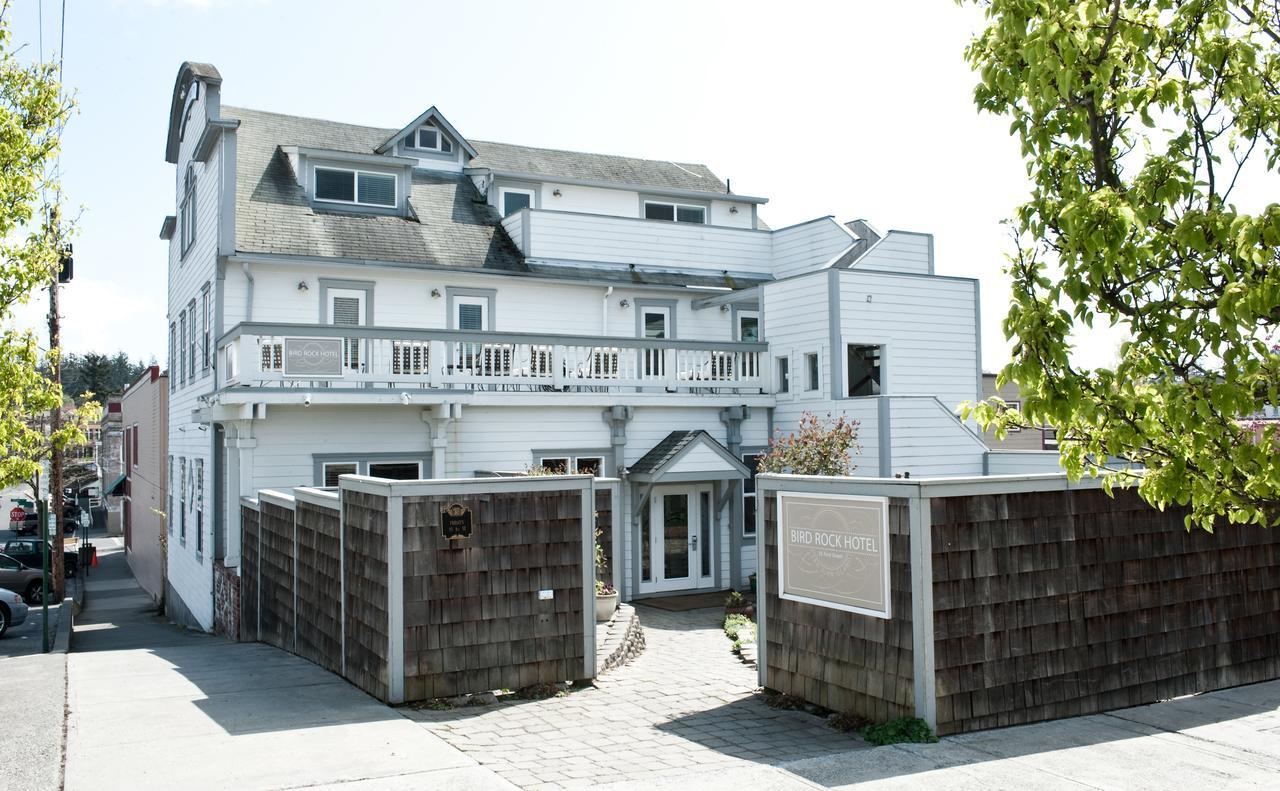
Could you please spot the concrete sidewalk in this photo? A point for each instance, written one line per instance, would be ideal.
(152, 705)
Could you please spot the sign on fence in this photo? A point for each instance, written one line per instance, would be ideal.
(313, 356)
(833, 551)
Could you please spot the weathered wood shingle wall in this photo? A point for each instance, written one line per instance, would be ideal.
(276, 617)
(249, 561)
(364, 547)
(473, 620)
(319, 613)
(844, 661)
(1056, 604)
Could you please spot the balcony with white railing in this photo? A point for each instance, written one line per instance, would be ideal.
(571, 236)
(267, 355)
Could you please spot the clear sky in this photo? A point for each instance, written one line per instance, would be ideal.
(855, 109)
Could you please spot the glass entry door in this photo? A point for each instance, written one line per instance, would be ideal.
(676, 542)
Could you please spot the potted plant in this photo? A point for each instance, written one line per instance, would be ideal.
(736, 603)
(606, 594)
(606, 601)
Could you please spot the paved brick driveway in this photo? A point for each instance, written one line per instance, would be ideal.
(685, 702)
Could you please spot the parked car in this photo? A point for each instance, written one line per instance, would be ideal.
(27, 552)
(13, 610)
(18, 576)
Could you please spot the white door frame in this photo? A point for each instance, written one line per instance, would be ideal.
(657, 557)
(350, 345)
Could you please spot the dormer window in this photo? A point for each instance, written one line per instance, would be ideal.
(675, 212)
(428, 138)
(358, 187)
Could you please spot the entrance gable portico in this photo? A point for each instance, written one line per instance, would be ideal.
(679, 520)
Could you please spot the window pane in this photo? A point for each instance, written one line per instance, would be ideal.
(332, 471)
(748, 329)
(396, 470)
(335, 184)
(428, 138)
(445, 145)
(704, 535)
(675, 536)
(655, 325)
(559, 466)
(659, 211)
(588, 465)
(646, 572)
(470, 317)
(691, 214)
(784, 375)
(515, 201)
(377, 189)
(811, 362)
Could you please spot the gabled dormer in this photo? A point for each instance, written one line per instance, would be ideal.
(433, 141)
(350, 182)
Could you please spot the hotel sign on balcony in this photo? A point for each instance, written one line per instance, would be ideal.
(833, 551)
(306, 357)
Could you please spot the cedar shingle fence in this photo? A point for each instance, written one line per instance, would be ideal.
(422, 589)
(1017, 599)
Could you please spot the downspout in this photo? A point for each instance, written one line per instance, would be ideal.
(248, 301)
(604, 311)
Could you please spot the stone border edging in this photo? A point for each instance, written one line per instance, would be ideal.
(623, 639)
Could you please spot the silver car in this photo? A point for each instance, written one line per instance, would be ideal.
(13, 610)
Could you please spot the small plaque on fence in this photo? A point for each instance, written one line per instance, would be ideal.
(833, 551)
(455, 521)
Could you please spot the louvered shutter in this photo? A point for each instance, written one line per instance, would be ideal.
(346, 313)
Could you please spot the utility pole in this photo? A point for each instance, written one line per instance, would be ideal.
(55, 420)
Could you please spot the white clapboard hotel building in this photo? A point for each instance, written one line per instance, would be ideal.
(414, 303)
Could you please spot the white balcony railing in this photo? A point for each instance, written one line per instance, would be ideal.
(286, 355)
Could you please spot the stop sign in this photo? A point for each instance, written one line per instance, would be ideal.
(17, 515)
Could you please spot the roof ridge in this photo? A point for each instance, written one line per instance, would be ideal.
(389, 130)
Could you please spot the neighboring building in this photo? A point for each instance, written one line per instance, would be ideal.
(111, 470)
(1042, 438)
(145, 417)
(411, 303)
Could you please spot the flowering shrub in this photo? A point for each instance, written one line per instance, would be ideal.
(820, 447)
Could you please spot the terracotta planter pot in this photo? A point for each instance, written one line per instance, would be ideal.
(606, 603)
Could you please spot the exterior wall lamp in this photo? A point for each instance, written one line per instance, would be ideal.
(556, 192)
(302, 285)
(435, 293)
(733, 209)
(624, 303)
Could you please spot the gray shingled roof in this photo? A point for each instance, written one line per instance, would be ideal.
(596, 167)
(451, 225)
(670, 448)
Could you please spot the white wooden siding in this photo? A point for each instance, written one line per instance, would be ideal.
(796, 321)
(584, 237)
(900, 251)
(929, 441)
(1022, 462)
(928, 325)
(808, 246)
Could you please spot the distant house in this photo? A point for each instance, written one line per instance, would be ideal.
(408, 302)
(1042, 438)
(145, 420)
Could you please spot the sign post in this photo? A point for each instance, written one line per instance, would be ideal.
(833, 551)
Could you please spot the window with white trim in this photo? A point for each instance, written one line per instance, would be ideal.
(192, 334)
(206, 323)
(784, 374)
(332, 469)
(811, 377)
(581, 465)
(429, 138)
(182, 502)
(675, 212)
(513, 199)
(173, 361)
(1049, 439)
(187, 211)
(197, 501)
(182, 347)
(356, 187)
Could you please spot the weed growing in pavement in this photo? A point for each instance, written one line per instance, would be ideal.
(900, 730)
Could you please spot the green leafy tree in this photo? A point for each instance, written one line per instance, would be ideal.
(32, 112)
(1139, 122)
(819, 447)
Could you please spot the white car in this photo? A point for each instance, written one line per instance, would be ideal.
(13, 610)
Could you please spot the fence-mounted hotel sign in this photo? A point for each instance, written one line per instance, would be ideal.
(313, 356)
(833, 551)
(455, 521)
